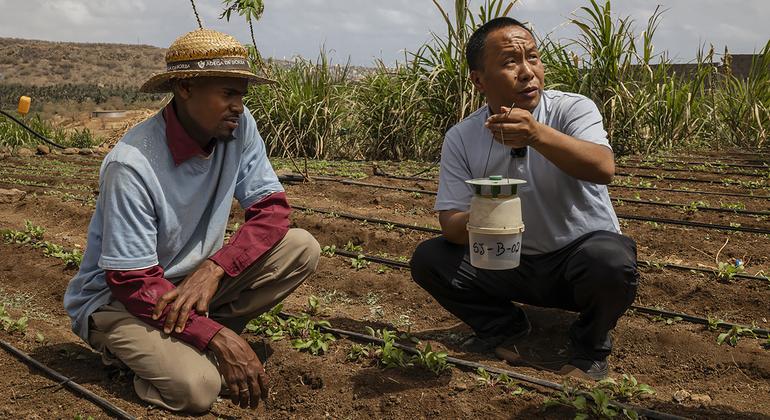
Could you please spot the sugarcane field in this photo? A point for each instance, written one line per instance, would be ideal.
(440, 209)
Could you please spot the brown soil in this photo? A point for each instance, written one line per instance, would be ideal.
(680, 356)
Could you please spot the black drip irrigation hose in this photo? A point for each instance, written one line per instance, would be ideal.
(35, 133)
(714, 164)
(619, 215)
(673, 178)
(707, 208)
(760, 231)
(474, 366)
(698, 192)
(699, 269)
(736, 173)
(67, 382)
(761, 332)
(632, 187)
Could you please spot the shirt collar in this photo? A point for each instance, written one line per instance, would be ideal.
(182, 146)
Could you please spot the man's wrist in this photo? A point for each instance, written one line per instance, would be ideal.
(216, 269)
(540, 135)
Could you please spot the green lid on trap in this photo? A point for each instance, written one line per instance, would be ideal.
(495, 186)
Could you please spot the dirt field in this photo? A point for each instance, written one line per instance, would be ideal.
(724, 381)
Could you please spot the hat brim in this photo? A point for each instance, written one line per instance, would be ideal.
(161, 83)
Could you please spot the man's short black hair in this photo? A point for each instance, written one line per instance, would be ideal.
(474, 51)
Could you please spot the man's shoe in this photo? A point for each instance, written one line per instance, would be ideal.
(476, 344)
(592, 369)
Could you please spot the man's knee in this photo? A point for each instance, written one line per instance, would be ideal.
(306, 247)
(427, 257)
(194, 391)
(610, 260)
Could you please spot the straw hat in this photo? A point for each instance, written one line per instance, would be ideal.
(203, 53)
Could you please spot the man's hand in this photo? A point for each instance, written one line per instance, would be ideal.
(195, 291)
(239, 365)
(515, 127)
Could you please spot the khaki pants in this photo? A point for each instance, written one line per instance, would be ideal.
(170, 373)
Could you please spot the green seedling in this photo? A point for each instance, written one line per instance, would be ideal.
(9, 324)
(40, 338)
(329, 250)
(387, 355)
(306, 334)
(389, 227)
(313, 305)
(627, 388)
(714, 323)
(416, 195)
(731, 337)
(726, 271)
(589, 403)
(732, 206)
(350, 247)
(434, 361)
(359, 263)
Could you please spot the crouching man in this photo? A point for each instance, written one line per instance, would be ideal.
(574, 256)
(157, 291)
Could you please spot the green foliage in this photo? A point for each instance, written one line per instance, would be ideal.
(434, 361)
(726, 271)
(11, 325)
(33, 236)
(667, 320)
(359, 262)
(305, 333)
(351, 247)
(387, 355)
(329, 250)
(731, 337)
(313, 305)
(596, 402)
(502, 380)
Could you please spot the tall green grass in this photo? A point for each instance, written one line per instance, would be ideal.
(13, 135)
(317, 110)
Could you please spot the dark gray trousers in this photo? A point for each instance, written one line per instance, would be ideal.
(594, 275)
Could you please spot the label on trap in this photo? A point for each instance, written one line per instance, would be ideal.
(497, 249)
(495, 252)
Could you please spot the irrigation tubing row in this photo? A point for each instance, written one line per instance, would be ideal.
(642, 309)
(657, 203)
(670, 169)
(713, 164)
(438, 231)
(67, 382)
(632, 187)
(673, 178)
(619, 215)
(35, 133)
(473, 366)
(707, 208)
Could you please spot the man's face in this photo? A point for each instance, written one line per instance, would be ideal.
(214, 104)
(511, 71)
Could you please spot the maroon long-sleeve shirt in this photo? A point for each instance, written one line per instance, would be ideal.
(267, 222)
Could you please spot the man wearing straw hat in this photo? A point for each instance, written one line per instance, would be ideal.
(574, 256)
(157, 291)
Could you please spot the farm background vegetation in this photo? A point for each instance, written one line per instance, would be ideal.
(325, 110)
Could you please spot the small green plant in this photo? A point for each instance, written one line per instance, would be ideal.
(387, 355)
(359, 262)
(329, 250)
(713, 323)
(389, 227)
(731, 337)
(732, 206)
(627, 388)
(502, 380)
(11, 325)
(589, 403)
(312, 305)
(434, 361)
(306, 334)
(351, 247)
(726, 271)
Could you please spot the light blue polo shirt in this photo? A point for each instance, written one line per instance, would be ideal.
(557, 208)
(152, 212)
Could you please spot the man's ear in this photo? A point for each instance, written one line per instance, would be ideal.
(477, 80)
(182, 88)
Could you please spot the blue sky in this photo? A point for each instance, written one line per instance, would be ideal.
(365, 30)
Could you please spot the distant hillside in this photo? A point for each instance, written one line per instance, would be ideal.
(44, 63)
